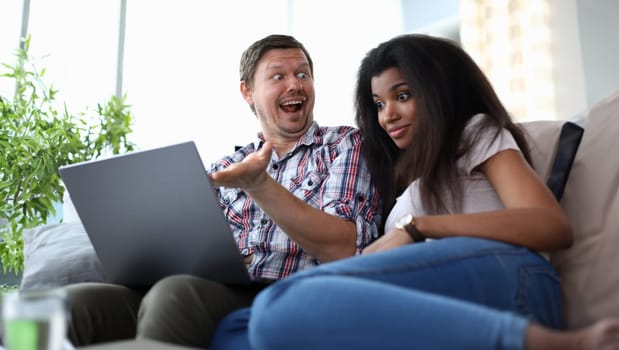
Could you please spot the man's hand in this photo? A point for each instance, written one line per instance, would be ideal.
(391, 239)
(248, 174)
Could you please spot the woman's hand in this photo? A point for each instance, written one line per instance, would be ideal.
(390, 240)
(248, 174)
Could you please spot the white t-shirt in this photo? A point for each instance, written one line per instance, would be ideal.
(478, 193)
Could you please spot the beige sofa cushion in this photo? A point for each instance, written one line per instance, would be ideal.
(589, 269)
(542, 138)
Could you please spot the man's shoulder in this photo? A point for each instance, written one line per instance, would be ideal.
(334, 135)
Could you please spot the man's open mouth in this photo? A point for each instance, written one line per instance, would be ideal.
(291, 106)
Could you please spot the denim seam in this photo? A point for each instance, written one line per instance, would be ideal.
(447, 260)
(522, 277)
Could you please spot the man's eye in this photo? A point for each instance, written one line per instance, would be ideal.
(277, 77)
(403, 96)
(302, 76)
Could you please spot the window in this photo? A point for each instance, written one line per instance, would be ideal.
(10, 26)
(181, 68)
(77, 43)
(181, 58)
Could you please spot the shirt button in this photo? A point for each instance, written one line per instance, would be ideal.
(226, 201)
(310, 183)
(263, 222)
(275, 166)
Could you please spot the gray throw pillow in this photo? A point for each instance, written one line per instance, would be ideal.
(59, 254)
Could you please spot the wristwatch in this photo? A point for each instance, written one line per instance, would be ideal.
(407, 223)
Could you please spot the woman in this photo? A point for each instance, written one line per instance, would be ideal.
(452, 171)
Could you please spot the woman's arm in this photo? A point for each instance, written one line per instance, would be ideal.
(532, 216)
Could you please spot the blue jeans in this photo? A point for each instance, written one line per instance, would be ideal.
(453, 293)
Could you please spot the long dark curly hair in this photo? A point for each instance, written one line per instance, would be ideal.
(449, 89)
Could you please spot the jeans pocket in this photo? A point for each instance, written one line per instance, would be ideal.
(539, 296)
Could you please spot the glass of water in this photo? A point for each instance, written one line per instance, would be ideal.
(34, 320)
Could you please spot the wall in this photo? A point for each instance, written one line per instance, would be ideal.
(586, 52)
(600, 48)
(439, 19)
(569, 75)
(417, 14)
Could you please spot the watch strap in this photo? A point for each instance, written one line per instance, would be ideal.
(413, 232)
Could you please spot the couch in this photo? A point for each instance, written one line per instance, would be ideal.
(588, 190)
(581, 169)
(590, 280)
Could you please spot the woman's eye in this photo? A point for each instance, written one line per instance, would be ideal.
(403, 96)
(379, 105)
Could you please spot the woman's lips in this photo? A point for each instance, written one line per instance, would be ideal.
(398, 132)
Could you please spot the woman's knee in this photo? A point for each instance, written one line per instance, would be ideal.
(282, 312)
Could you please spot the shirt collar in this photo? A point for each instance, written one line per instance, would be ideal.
(313, 135)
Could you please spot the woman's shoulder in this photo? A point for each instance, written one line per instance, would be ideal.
(484, 138)
(481, 128)
(481, 121)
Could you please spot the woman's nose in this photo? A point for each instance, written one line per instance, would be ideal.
(389, 113)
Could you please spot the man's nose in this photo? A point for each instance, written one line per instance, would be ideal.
(294, 84)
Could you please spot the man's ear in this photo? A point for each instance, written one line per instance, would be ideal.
(246, 92)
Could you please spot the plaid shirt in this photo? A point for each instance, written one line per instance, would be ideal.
(325, 170)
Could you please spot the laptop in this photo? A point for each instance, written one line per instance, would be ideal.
(154, 213)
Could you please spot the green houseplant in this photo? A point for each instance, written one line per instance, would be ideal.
(35, 139)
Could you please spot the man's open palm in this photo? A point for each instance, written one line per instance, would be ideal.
(248, 174)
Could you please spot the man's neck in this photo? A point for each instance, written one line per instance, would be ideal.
(283, 144)
(282, 147)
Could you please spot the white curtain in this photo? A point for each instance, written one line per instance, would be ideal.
(511, 41)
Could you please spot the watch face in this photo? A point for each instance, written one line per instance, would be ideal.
(405, 220)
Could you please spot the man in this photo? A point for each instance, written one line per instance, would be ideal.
(297, 196)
